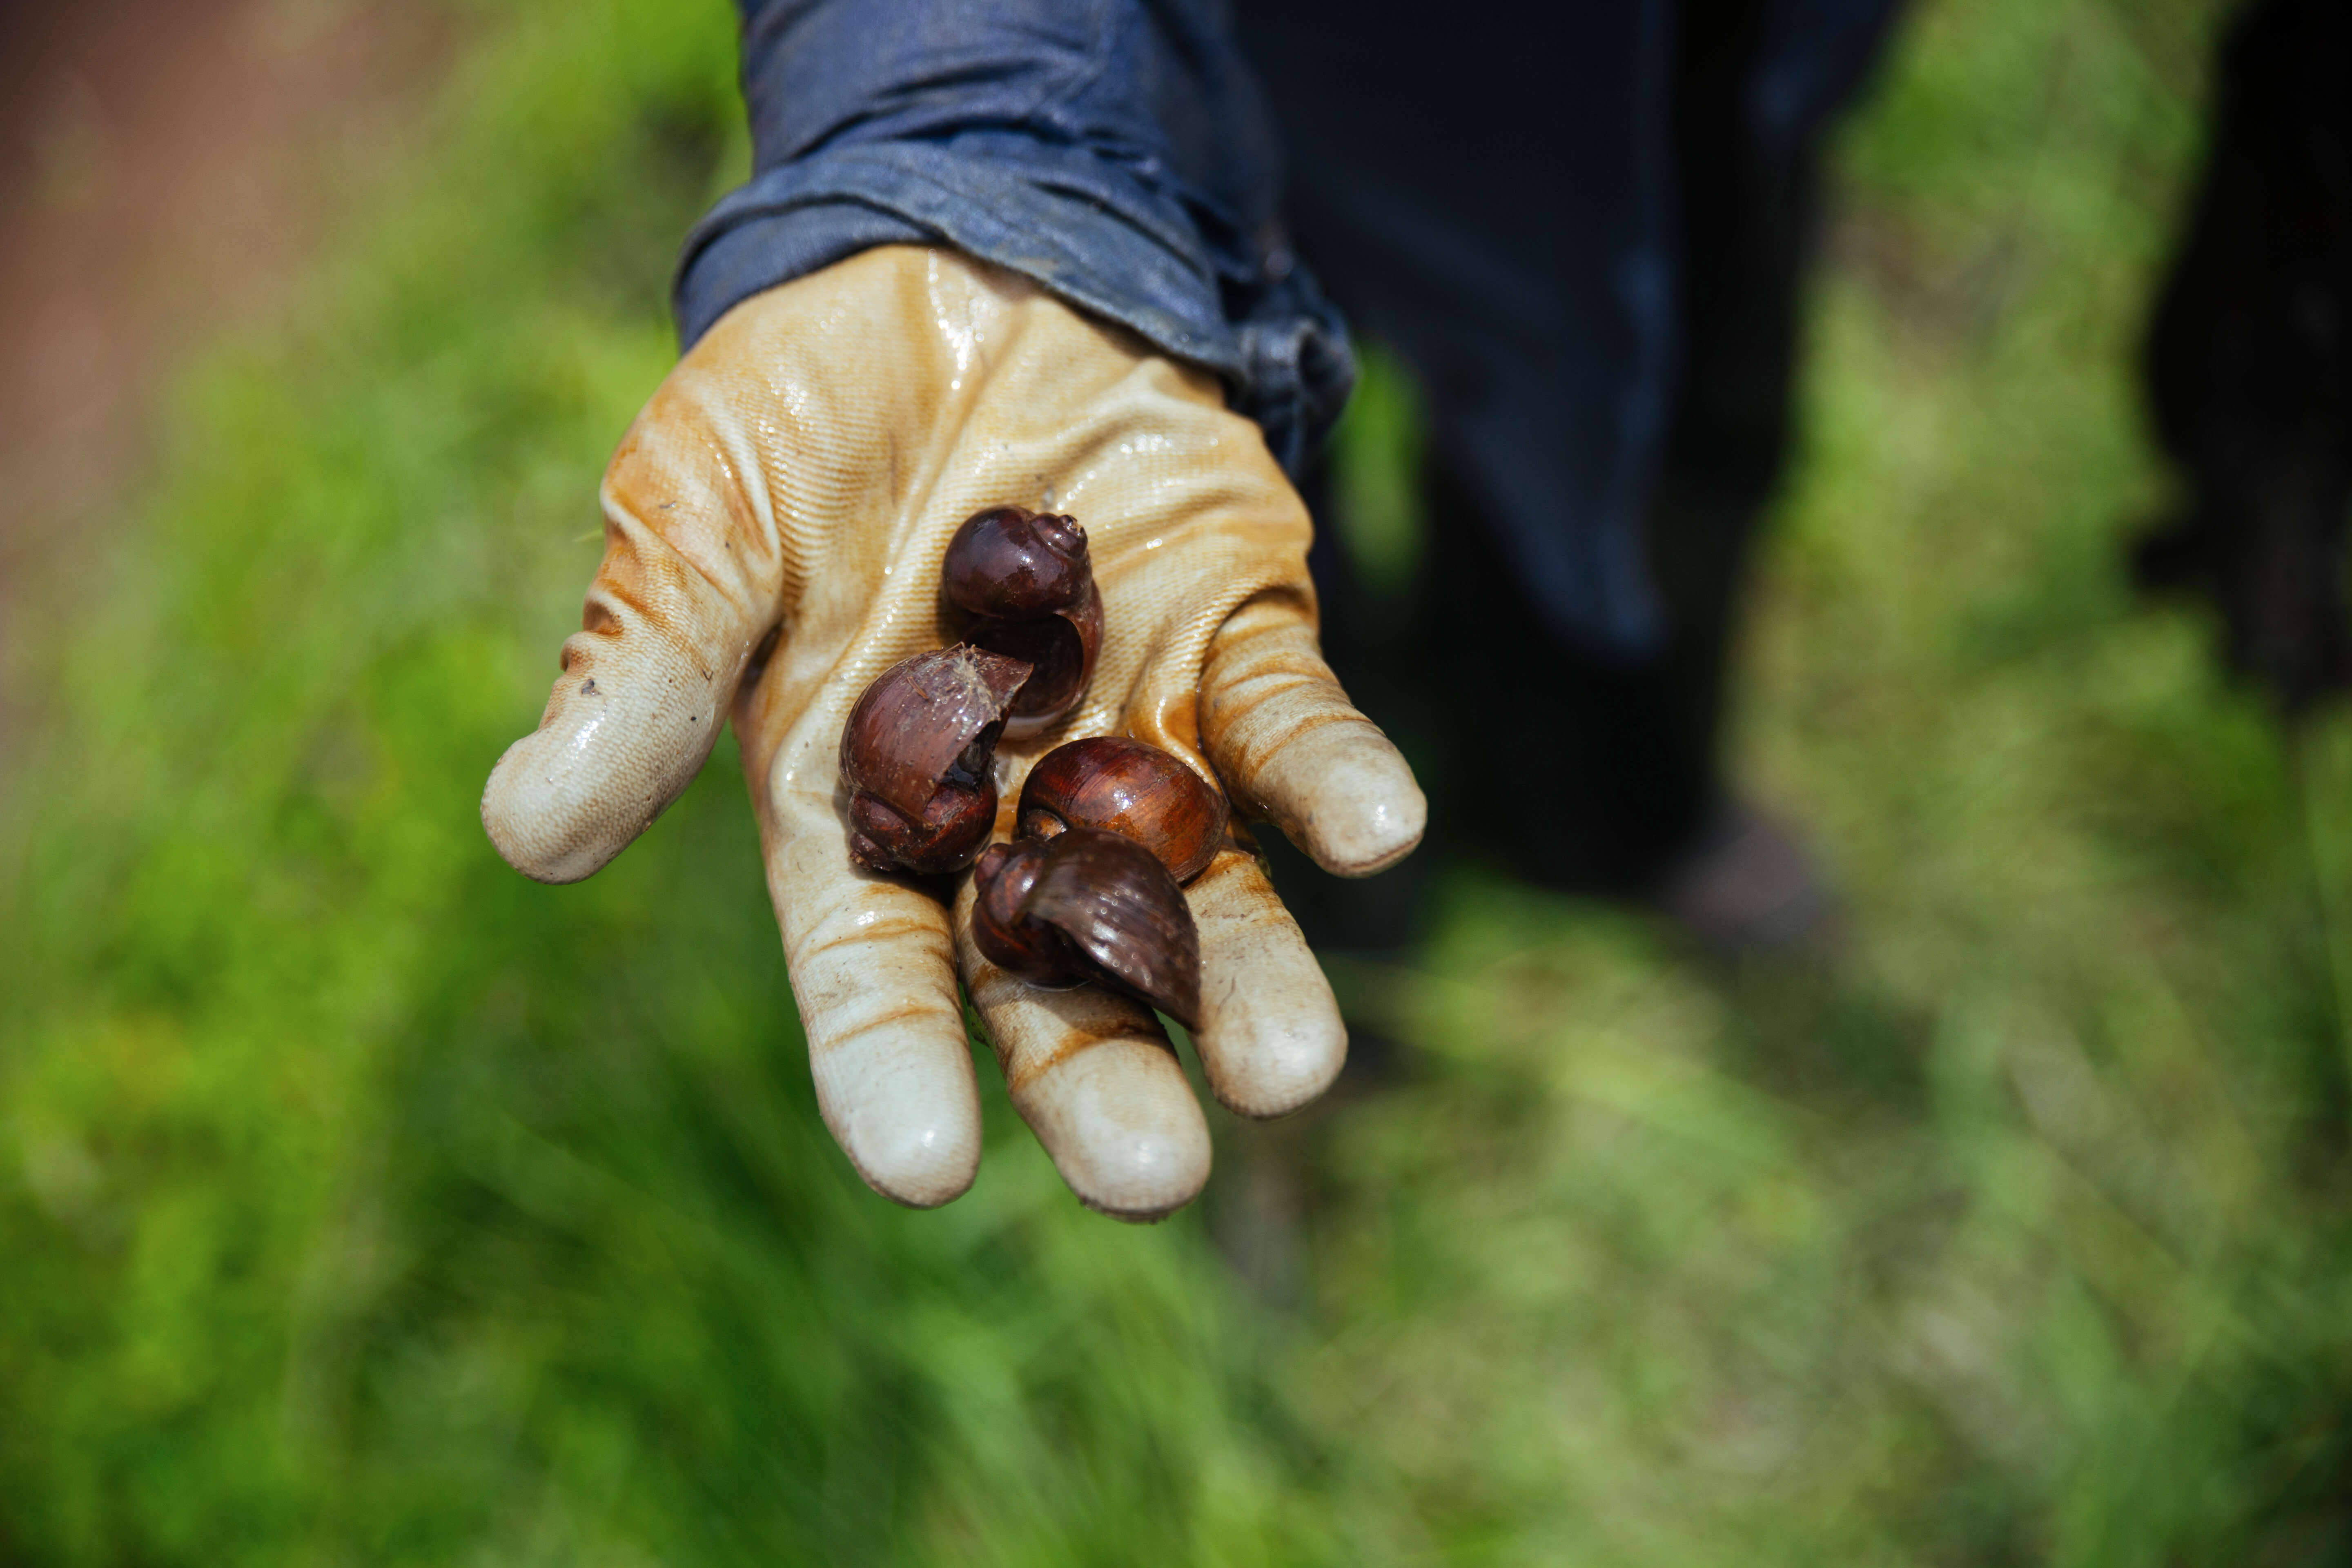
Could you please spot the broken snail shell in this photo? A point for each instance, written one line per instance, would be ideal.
(1019, 583)
(917, 757)
(1127, 787)
(1094, 906)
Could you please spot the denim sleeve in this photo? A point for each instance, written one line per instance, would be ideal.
(1114, 151)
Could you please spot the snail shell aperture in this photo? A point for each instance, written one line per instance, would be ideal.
(1095, 906)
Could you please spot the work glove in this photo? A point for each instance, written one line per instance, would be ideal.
(774, 524)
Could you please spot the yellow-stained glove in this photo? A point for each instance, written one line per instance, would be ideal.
(774, 524)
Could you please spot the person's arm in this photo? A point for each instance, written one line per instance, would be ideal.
(776, 519)
(1114, 151)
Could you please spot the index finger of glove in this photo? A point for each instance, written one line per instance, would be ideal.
(1292, 750)
(872, 972)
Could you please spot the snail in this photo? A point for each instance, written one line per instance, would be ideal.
(1125, 787)
(1089, 905)
(1018, 582)
(918, 758)
(1109, 828)
(1109, 825)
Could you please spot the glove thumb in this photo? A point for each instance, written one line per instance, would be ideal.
(672, 619)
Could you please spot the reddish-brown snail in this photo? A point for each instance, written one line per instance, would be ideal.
(1018, 582)
(1110, 825)
(1090, 905)
(1125, 787)
(918, 758)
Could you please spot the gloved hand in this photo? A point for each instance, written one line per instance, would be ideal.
(774, 524)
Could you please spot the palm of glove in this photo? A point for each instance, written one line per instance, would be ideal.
(775, 520)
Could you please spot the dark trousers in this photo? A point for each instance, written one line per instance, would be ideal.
(1568, 759)
(2249, 368)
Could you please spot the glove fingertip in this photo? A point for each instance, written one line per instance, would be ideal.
(535, 828)
(1124, 1130)
(626, 729)
(1353, 803)
(918, 1160)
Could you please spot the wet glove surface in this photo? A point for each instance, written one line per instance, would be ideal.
(774, 524)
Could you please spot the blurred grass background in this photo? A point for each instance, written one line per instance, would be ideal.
(362, 1203)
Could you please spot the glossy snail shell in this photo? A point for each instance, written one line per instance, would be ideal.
(1020, 584)
(1127, 787)
(1088, 904)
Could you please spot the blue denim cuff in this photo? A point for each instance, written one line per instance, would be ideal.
(1067, 219)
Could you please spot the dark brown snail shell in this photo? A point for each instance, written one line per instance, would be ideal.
(1127, 787)
(1019, 583)
(1009, 564)
(1113, 912)
(938, 839)
(917, 757)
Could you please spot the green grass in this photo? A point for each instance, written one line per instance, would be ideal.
(362, 1203)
